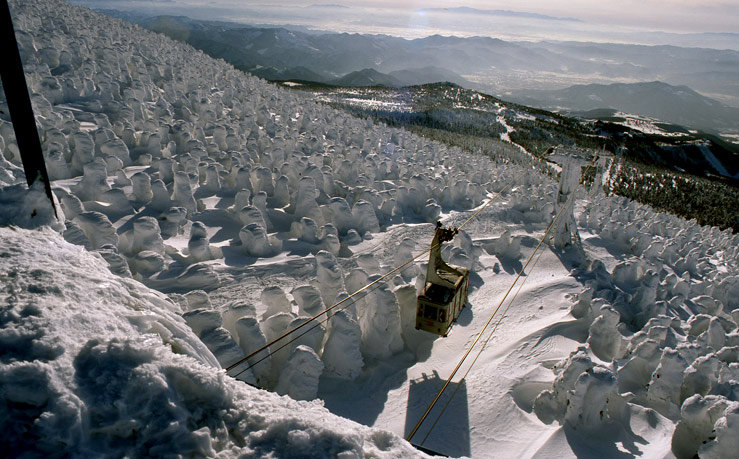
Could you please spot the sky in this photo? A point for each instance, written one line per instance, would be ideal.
(672, 15)
(625, 21)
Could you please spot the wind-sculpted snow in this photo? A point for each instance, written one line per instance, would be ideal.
(97, 365)
(664, 323)
(116, 101)
(26, 208)
(299, 377)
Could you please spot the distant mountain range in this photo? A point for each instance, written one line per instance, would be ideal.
(364, 77)
(367, 77)
(525, 72)
(327, 5)
(398, 78)
(675, 104)
(491, 65)
(280, 54)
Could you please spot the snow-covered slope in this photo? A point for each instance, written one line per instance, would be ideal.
(94, 365)
(254, 208)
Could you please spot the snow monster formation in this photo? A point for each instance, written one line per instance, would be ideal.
(189, 142)
(180, 172)
(665, 331)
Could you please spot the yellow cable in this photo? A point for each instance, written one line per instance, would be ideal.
(466, 354)
(325, 311)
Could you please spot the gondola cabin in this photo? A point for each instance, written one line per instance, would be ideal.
(445, 292)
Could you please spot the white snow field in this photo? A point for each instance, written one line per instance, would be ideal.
(206, 213)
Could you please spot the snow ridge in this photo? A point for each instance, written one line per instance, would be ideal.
(95, 364)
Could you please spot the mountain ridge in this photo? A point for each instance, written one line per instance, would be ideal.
(671, 103)
(489, 64)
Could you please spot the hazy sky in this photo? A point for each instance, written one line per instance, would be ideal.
(664, 15)
(629, 21)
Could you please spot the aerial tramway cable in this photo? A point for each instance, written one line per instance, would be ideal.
(551, 226)
(366, 289)
(479, 353)
(479, 335)
(376, 281)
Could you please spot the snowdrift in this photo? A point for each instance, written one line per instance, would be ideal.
(94, 364)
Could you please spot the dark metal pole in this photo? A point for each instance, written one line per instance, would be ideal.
(19, 105)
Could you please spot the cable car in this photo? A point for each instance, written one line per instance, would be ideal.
(445, 292)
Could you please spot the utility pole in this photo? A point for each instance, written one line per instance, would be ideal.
(19, 105)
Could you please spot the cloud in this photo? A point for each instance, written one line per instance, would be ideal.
(510, 13)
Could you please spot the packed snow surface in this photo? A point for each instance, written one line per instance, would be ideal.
(95, 364)
(204, 213)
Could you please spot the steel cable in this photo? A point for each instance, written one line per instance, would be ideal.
(376, 281)
(487, 323)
